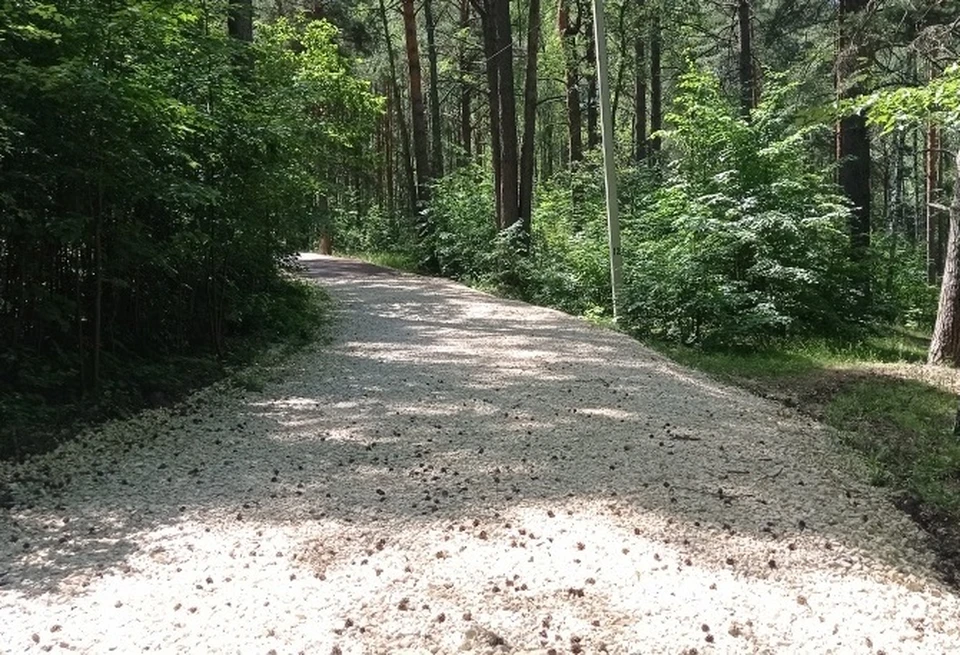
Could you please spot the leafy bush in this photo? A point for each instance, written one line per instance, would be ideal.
(744, 241)
(462, 234)
(154, 172)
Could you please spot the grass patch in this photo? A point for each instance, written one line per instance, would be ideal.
(904, 428)
(886, 404)
(804, 357)
(399, 261)
(36, 419)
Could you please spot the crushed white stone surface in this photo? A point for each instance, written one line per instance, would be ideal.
(459, 473)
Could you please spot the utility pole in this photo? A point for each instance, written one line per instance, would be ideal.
(609, 157)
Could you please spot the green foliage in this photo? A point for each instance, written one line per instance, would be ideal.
(903, 427)
(154, 174)
(571, 269)
(901, 294)
(744, 242)
(937, 101)
(462, 233)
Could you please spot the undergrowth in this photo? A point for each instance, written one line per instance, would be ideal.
(874, 392)
(288, 316)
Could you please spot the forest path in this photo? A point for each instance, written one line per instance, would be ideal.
(461, 472)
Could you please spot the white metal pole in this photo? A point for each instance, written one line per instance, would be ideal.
(609, 157)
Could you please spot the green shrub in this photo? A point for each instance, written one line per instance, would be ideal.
(745, 241)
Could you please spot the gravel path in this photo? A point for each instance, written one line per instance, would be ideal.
(462, 473)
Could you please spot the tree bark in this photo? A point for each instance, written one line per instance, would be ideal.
(465, 88)
(410, 184)
(639, 94)
(509, 164)
(489, 28)
(747, 98)
(388, 156)
(656, 86)
(568, 39)
(624, 43)
(853, 139)
(418, 114)
(240, 20)
(593, 133)
(529, 117)
(436, 133)
(945, 343)
(932, 180)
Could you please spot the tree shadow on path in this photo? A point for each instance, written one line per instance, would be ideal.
(441, 408)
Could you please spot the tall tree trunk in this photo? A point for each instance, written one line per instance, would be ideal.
(568, 39)
(388, 157)
(509, 164)
(465, 88)
(489, 28)
(639, 92)
(945, 343)
(410, 184)
(593, 133)
(898, 202)
(529, 117)
(418, 115)
(98, 296)
(853, 139)
(436, 133)
(240, 20)
(747, 98)
(932, 180)
(621, 58)
(656, 85)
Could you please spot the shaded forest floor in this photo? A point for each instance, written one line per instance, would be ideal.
(47, 408)
(887, 405)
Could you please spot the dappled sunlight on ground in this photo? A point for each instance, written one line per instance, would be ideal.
(458, 471)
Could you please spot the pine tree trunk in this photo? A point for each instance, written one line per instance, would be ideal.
(945, 343)
(529, 117)
(568, 39)
(436, 133)
(853, 139)
(465, 90)
(593, 133)
(418, 114)
(747, 99)
(639, 95)
(489, 28)
(388, 157)
(656, 86)
(621, 59)
(932, 179)
(240, 20)
(509, 155)
(410, 184)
